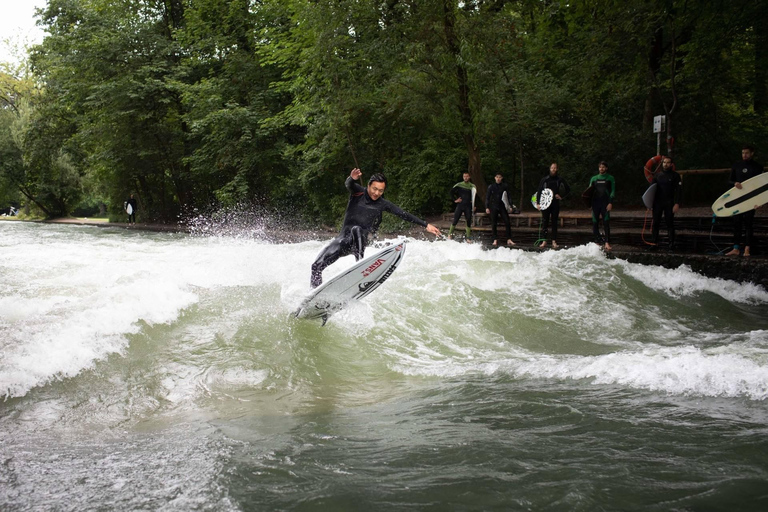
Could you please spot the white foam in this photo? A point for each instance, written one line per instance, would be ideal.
(684, 282)
(79, 296)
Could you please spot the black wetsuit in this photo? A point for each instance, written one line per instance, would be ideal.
(463, 190)
(362, 218)
(556, 183)
(669, 190)
(605, 191)
(495, 203)
(742, 171)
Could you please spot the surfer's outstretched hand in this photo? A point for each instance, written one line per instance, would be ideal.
(434, 230)
(356, 173)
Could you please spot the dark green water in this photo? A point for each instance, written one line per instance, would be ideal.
(163, 372)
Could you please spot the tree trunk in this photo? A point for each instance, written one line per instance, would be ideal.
(474, 164)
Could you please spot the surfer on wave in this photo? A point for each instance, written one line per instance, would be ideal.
(362, 218)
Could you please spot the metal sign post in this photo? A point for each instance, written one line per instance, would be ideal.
(659, 125)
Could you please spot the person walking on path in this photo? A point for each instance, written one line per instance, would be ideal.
(743, 222)
(602, 203)
(132, 210)
(560, 189)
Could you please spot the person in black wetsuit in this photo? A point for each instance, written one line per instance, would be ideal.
(558, 186)
(742, 171)
(362, 218)
(669, 190)
(602, 202)
(463, 194)
(497, 203)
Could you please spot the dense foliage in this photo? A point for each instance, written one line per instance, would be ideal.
(200, 104)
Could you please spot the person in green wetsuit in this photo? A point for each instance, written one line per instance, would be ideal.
(602, 202)
(463, 194)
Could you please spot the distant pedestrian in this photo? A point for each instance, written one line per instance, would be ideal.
(602, 203)
(741, 171)
(132, 210)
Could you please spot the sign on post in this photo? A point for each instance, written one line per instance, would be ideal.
(659, 123)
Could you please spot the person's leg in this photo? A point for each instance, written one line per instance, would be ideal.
(494, 220)
(358, 242)
(468, 218)
(738, 223)
(507, 224)
(658, 211)
(332, 252)
(596, 222)
(456, 217)
(607, 228)
(749, 219)
(669, 217)
(544, 226)
(555, 220)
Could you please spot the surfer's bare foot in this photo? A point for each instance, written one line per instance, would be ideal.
(554, 244)
(608, 246)
(746, 252)
(732, 252)
(510, 242)
(495, 243)
(543, 244)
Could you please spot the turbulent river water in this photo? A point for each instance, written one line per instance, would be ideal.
(146, 371)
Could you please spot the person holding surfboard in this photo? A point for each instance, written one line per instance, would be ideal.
(560, 189)
(362, 218)
(463, 194)
(497, 203)
(742, 171)
(666, 202)
(603, 191)
(130, 209)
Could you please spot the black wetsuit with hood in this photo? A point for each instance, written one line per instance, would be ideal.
(362, 218)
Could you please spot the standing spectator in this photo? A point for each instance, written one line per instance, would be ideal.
(602, 202)
(669, 190)
(560, 189)
(497, 203)
(463, 194)
(742, 171)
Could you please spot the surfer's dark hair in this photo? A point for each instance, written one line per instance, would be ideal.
(377, 177)
(750, 147)
(603, 162)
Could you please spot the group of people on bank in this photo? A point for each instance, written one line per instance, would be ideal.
(600, 194)
(366, 206)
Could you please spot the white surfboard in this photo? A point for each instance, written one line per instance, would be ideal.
(753, 193)
(129, 209)
(649, 196)
(351, 285)
(546, 199)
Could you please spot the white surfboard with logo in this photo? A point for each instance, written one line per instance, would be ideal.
(351, 285)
